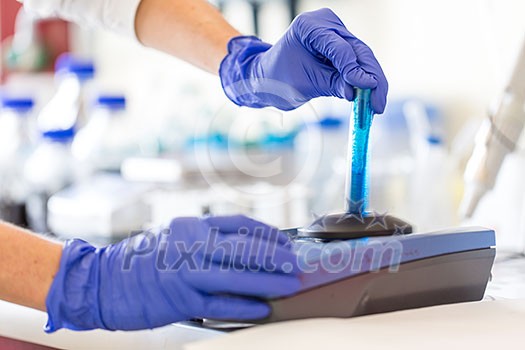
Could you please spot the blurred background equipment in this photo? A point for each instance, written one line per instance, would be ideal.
(49, 169)
(25, 49)
(107, 139)
(105, 208)
(494, 173)
(498, 136)
(255, 6)
(16, 141)
(109, 107)
(66, 109)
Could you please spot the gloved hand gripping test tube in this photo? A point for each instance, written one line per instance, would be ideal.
(356, 221)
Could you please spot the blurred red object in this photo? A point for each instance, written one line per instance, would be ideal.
(8, 11)
(10, 344)
(54, 33)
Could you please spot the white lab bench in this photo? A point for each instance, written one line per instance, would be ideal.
(26, 325)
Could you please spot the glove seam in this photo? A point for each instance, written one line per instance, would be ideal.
(57, 304)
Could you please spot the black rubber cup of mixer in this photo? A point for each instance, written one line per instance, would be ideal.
(344, 226)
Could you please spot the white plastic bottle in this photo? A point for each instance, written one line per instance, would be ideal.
(108, 137)
(431, 198)
(16, 142)
(66, 109)
(326, 185)
(50, 168)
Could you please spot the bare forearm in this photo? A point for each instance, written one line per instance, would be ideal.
(28, 265)
(192, 30)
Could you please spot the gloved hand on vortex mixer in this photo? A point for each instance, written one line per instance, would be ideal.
(212, 267)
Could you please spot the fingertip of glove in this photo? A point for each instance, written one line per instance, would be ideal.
(378, 102)
(260, 310)
(379, 110)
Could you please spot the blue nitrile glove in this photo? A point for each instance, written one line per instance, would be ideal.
(198, 268)
(317, 56)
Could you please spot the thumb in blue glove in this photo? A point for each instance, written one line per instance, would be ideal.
(216, 268)
(317, 56)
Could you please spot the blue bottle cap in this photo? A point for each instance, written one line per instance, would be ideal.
(111, 101)
(434, 140)
(65, 135)
(17, 103)
(69, 64)
(331, 122)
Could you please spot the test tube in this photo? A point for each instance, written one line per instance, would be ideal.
(356, 201)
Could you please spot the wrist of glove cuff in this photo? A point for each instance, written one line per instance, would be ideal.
(237, 73)
(73, 299)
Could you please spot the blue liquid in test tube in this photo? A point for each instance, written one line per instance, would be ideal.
(357, 178)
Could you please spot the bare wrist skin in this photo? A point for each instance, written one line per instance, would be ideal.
(28, 265)
(193, 31)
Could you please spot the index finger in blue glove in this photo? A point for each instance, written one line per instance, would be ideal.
(378, 98)
(194, 303)
(368, 61)
(261, 284)
(244, 224)
(232, 308)
(343, 58)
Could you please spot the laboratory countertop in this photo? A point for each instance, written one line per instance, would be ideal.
(21, 328)
(25, 325)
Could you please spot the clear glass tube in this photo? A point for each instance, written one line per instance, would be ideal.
(357, 176)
